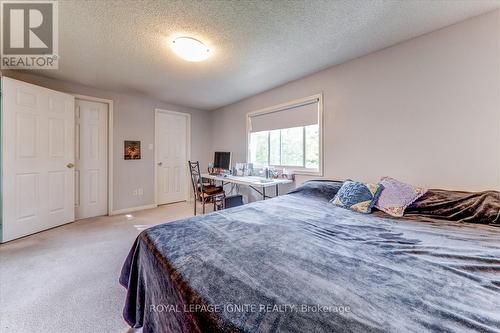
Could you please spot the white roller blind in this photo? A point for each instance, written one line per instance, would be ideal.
(302, 114)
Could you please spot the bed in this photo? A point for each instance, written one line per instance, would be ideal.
(296, 263)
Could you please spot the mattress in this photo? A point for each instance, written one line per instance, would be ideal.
(297, 263)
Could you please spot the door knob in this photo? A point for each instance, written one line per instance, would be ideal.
(70, 165)
(160, 163)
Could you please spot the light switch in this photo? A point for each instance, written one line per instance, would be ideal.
(150, 146)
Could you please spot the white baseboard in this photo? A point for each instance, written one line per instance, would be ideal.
(132, 209)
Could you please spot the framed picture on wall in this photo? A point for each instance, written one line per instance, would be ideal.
(132, 150)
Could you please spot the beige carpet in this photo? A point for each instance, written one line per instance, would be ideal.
(66, 279)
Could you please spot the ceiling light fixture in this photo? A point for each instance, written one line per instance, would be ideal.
(190, 49)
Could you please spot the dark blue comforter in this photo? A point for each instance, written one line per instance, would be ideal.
(296, 263)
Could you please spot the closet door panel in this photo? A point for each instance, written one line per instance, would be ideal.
(38, 154)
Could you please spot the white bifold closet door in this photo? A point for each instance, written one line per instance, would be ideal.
(38, 158)
(91, 156)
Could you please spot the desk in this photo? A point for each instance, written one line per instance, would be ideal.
(251, 181)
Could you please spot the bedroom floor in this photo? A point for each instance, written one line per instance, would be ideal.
(66, 279)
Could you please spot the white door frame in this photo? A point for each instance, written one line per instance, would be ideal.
(188, 149)
(109, 102)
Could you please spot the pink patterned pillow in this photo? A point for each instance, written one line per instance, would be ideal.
(396, 196)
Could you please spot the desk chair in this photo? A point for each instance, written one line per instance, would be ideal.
(204, 191)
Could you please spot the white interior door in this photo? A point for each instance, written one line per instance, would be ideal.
(38, 158)
(171, 157)
(91, 157)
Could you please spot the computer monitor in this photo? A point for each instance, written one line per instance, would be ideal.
(222, 160)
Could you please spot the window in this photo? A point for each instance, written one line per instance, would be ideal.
(287, 136)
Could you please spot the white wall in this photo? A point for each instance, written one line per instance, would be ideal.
(133, 120)
(426, 111)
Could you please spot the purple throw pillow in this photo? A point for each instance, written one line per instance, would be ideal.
(396, 196)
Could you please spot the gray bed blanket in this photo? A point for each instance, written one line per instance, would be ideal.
(296, 263)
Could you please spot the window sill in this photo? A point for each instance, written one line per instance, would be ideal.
(296, 170)
(308, 172)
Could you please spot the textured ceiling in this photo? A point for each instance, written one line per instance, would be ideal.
(124, 45)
